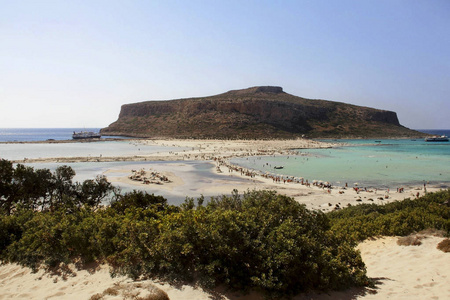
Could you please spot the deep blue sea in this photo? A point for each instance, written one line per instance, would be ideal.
(40, 134)
(439, 132)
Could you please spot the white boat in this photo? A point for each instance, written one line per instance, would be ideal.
(86, 135)
(441, 138)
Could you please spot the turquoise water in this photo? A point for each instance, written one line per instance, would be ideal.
(381, 163)
(370, 163)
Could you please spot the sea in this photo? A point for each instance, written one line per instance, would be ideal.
(41, 134)
(385, 163)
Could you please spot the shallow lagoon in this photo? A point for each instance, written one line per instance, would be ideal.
(196, 175)
(383, 164)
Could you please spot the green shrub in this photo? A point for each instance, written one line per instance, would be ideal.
(396, 218)
(261, 240)
(138, 199)
(23, 187)
(12, 228)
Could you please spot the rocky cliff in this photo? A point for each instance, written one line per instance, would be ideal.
(257, 112)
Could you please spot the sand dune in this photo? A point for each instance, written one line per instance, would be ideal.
(400, 272)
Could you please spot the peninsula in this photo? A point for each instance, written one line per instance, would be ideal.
(256, 112)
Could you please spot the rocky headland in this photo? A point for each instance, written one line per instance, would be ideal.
(255, 113)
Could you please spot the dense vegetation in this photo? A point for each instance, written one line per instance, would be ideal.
(24, 187)
(259, 240)
(396, 218)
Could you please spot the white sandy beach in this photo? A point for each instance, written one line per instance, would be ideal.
(400, 272)
(218, 152)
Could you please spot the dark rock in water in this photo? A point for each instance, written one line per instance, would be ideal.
(256, 112)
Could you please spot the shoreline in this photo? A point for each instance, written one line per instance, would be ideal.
(315, 195)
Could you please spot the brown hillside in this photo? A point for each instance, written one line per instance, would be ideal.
(257, 112)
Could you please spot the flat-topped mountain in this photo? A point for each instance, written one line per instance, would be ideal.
(257, 112)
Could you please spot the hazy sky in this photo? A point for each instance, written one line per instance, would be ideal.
(74, 63)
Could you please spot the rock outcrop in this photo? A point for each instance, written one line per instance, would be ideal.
(257, 112)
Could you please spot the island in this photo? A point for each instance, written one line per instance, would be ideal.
(255, 113)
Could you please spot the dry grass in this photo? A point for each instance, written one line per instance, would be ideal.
(410, 240)
(415, 239)
(432, 232)
(112, 291)
(96, 297)
(133, 291)
(444, 245)
(156, 295)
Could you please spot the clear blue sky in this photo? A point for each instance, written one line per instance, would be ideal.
(74, 63)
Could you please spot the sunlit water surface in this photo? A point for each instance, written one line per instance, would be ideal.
(380, 163)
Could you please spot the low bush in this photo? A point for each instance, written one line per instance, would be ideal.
(444, 245)
(410, 240)
(396, 218)
(133, 291)
(260, 240)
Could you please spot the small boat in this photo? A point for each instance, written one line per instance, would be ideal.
(441, 138)
(86, 135)
(280, 167)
